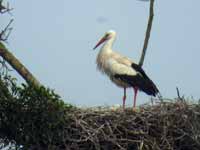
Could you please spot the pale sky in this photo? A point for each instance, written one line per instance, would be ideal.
(54, 40)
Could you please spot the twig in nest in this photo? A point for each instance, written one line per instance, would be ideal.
(148, 32)
(178, 94)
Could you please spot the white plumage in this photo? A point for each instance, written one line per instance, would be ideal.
(122, 70)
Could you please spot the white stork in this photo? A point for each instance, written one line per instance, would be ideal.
(122, 70)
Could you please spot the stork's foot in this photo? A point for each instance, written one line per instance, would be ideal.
(136, 109)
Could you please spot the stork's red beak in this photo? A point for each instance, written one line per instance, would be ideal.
(100, 42)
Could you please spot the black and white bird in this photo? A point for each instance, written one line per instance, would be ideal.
(121, 70)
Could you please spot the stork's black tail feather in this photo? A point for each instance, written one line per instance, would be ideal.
(146, 84)
(140, 80)
(149, 87)
(142, 83)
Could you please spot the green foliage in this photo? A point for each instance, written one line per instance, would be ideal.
(31, 116)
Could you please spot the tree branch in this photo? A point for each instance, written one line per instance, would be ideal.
(6, 31)
(148, 32)
(4, 9)
(8, 56)
(18, 66)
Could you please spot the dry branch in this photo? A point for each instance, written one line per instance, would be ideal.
(18, 66)
(5, 9)
(8, 56)
(4, 34)
(148, 32)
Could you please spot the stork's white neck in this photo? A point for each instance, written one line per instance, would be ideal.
(108, 44)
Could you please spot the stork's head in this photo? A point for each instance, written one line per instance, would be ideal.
(108, 35)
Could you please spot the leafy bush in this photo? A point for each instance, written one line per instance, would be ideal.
(31, 116)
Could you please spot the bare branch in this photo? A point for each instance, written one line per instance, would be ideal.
(18, 66)
(6, 31)
(148, 32)
(5, 9)
(8, 56)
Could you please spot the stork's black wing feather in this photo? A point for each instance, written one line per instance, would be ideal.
(139, 69)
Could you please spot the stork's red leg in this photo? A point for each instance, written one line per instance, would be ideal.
(135, 96)
(124, 98)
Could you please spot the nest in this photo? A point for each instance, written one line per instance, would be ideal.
(164, 126)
